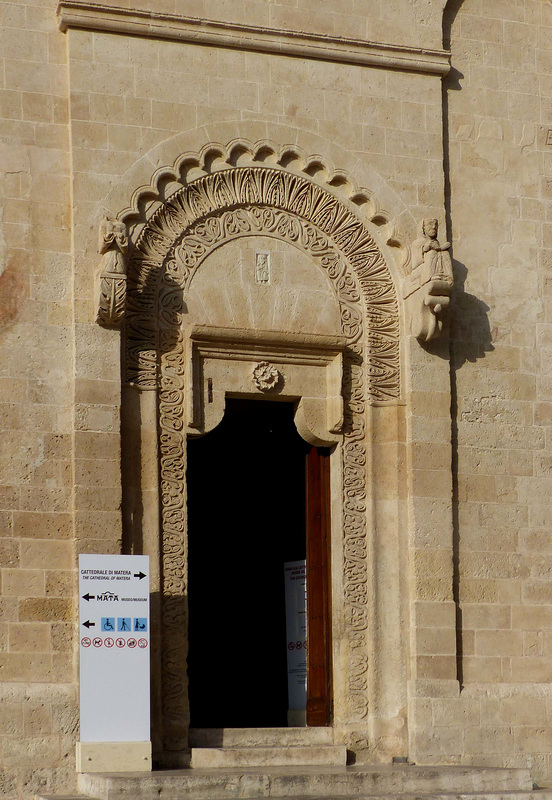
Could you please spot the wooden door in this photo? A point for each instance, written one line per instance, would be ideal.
(317, 500)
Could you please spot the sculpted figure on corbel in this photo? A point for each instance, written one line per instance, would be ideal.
(113, 246)
(429, 286)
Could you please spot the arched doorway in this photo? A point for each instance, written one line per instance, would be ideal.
(193, 233)
(270, 512)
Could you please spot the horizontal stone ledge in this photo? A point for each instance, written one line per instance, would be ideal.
(110, 19)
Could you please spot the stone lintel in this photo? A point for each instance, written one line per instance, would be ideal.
(111, 19)
(273, 363)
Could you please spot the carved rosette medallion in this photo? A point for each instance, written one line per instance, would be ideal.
(267, 377)
(203, 215)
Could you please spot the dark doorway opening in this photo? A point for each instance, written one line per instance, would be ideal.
(250, 509)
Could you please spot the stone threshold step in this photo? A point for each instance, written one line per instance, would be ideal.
(64, 797)
(309, 782)
(533, 794)
(309, 756)
(259, 737)
(536, 794)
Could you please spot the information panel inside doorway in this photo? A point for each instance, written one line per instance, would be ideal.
(114, 634)
(296, 627)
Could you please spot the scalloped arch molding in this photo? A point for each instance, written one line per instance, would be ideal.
(199, 151)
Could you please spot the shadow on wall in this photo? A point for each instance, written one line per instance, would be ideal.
(449, 16)
(470, 330)
(470, 340)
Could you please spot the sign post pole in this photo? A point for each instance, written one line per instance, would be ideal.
(114, 647)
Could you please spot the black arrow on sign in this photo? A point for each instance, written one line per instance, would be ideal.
(140, 575)
(88, 596)
(89, 624)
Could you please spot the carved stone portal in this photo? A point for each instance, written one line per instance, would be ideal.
(178, 237)
(430, 284)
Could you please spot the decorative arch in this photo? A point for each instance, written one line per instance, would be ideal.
(196, 218)
(190, 165)
(236, 202)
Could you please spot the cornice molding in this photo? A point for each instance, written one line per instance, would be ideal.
(91, 16)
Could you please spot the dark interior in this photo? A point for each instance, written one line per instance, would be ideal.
(246, 518)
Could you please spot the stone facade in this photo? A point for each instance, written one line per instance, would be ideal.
(262, 169)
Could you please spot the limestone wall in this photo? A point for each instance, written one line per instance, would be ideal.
(388, 21)
(172, 98)
(132, 105)
(38, 720)
(500, 114)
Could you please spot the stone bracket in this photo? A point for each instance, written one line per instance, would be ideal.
(306, 368)
(428, 303)
(112, 301)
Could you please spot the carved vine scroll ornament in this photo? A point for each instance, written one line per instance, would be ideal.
(203, 215)
(113, 246)
(430, 284)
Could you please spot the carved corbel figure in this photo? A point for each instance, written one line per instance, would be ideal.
(113, 246)
(430, 283)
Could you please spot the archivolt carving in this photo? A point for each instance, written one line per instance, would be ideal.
(242, 152)
(194, 221)
(193, 211)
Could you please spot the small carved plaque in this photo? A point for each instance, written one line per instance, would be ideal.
(549, 138)
(262, 267)
(266, 377)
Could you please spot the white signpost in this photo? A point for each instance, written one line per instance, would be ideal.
(114, 646)
(296, 628)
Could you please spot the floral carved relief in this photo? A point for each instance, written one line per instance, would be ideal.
(197, 219)
(266, 377)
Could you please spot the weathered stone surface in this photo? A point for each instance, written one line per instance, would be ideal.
(363, 781)
(441, 547)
